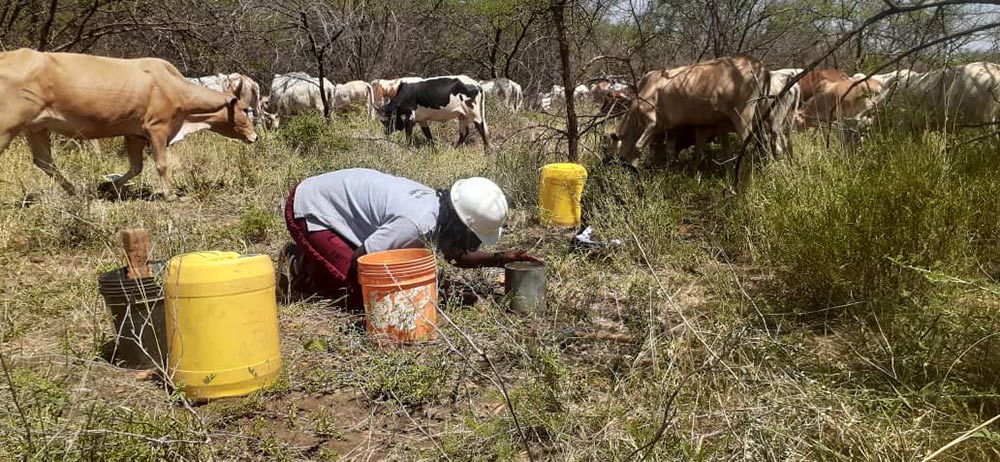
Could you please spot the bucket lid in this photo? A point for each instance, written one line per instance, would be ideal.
(213, 273)
(564, 170)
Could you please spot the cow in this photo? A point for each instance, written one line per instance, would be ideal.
(438, 99)
(810, 82)
(711, 98)
(966, 95)
(507, 89)
(614, 103)
(355, 91)
(296, 93)
(385, 90)
(249, 93)
(558, 94)
(840, 100)
(147, 101)
(779, 111)
(614, 97)
(602, 86)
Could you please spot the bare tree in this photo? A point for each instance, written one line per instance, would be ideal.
(317, 27)
(557, 9)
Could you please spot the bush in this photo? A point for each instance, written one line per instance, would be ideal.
(255, 224)
(311, 133)
(842, 229)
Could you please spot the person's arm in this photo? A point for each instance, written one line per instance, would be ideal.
(480, 259)
(358, 253)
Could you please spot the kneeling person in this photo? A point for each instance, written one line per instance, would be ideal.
(337, 217)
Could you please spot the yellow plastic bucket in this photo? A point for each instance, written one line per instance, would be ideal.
(559, 194)
(400, 292)
(222, 324)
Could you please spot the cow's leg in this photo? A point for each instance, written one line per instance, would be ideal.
(5, 139)
(408, 130)
(483, 133)
(41, 155)
(426, 129)
(134, 146)
(658, 146)
(158, 144)
(700, 140)
(463, 132)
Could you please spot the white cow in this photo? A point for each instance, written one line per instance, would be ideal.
(296, 93)
(961, 95)
(781, 111)
(509, 90)
(355, 91)
(558, 95)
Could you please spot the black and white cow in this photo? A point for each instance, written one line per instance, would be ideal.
(437, 99)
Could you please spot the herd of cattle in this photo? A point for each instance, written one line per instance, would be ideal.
(686, 106)
(149, 103)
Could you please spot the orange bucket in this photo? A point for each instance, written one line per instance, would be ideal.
(400, 292)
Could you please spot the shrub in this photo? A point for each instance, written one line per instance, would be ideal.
(402, 378)
(841, 229)
(255, 223)
(311, 133)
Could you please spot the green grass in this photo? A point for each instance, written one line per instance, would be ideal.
(709, 296)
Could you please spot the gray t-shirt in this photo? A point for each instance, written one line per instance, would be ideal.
(381, 211)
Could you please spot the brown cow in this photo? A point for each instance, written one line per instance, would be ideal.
(145, 100)
(810, 82)
(385, 90)
(615, 103)
(839, 100)
(713, 98)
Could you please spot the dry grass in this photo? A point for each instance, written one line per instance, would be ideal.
(665, 349)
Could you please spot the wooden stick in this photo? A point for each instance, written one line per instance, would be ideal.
(136, 244)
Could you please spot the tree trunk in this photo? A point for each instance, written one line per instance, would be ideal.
(43, 36)
(318, 52)
(558, 10)
(497, 35)
(322, 84)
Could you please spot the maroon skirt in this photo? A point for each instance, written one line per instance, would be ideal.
(327, 259)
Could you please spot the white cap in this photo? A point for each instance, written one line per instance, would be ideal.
(481, 205)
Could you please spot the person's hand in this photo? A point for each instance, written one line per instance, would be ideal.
(512, 256)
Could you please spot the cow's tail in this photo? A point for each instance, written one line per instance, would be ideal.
(481, 96)
(371, 100)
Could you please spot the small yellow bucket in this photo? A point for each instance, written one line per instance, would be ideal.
(559, 194)
(222, 324)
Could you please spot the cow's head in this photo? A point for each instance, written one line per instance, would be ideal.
(234, 121)
(392, 120)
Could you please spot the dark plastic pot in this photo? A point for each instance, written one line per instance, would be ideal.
(139, 320)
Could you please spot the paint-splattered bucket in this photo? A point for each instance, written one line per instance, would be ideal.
(400, 292)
